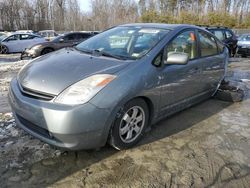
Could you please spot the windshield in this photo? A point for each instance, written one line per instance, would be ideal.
(124, 42)
(57, 38)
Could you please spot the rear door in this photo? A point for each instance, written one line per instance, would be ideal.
(212, 60)
(181, 82)
(26, 40)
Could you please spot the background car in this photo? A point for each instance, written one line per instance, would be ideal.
(113, 86)
(18, 42)
(62, 41)
(48, 34)
(243, 45)
(2, 34)
(226, 35)
(25, 31)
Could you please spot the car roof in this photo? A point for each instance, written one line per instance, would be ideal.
(21, 33)
(161, 25)
(79, 32)
(46, 31)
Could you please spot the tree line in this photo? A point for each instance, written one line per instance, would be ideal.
(66, 15)
(230, 13)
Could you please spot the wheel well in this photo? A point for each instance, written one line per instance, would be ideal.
(150, 107)
(48, 48)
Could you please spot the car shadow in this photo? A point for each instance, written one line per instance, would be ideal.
(49, 171)
(184, 120)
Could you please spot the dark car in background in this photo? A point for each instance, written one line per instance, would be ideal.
(244, 45)
(226, 35)
(114, 85)
(66, 40)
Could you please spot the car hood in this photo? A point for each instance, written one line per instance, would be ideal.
(242, 42)
(52, 73)
(42, 43)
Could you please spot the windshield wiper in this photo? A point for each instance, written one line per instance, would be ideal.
(83, 50)
(103, 53)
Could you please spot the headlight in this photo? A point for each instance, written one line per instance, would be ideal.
(82, 91)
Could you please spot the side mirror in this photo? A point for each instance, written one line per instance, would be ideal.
(177, 58)
(61, 40)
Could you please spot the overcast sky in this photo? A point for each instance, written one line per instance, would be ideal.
(85, 5)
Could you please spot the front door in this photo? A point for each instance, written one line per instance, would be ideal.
(13, 43)
(180, 82)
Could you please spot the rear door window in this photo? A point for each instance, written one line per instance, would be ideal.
(83, 36)
(208, 44)
(219, 34)
(70, 37)
(24, 37)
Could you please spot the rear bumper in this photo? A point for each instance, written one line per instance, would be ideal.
(68, 127)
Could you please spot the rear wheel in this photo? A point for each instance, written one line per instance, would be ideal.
(130, 125)
(4, 49)
(46, 51)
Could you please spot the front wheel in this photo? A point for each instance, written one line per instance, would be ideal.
(130, 125)
(3, 49)
(46, 51)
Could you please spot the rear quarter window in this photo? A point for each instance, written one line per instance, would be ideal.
(219, 34)
(208, 45)
(228, 34)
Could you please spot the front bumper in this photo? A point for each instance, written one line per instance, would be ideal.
(68, 127)
(243, 51)
(30, 53)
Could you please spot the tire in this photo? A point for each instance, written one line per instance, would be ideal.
(4, 49)
(130, 125)
(244, 56)
(46, 51)
(230, 92)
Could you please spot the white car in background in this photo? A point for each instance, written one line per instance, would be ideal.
(24, 31)
(48, 34)
(18, 42)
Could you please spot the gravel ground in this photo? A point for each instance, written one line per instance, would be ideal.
(204, 146)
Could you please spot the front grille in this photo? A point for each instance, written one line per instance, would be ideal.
(34, 128)
(35, 94)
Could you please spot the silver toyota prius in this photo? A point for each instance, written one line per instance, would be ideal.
(113, 86)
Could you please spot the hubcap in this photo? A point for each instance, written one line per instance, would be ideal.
(3, 50)
(132, 124)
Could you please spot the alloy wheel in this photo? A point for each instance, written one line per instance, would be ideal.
(132, 124)
(3, 49)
